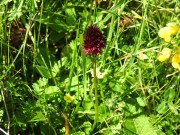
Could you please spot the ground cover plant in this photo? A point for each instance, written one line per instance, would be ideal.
(89, 67)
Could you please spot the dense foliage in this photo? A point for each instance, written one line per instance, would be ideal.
(46, 80)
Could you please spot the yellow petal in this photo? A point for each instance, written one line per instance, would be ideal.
(176, 58)
(68, 98)
(164, 32)
(167, 39)
(162, 58)
(174, 29)
(176, 65)
(166, 52)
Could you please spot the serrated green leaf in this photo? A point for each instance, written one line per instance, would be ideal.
(55, 69)
(143, 126)
(38, 117)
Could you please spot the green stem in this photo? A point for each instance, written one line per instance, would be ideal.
(96, 95)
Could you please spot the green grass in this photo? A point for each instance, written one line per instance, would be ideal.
(42, 60)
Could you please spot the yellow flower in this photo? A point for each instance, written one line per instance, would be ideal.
(165, 54)
(68, 98)
(176, 60)
(166, 32)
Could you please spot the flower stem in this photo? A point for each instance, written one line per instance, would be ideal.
(96, 94)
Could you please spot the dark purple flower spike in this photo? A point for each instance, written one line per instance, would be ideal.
(94, 41)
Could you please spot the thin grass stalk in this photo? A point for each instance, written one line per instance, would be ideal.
(110, 35)
(84, 77)
(96, 95)
(37, 39)
(8, 130)
(72, 67)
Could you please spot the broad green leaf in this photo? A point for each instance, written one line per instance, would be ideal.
(129, 127)
(162, 108)
(67, 51)
(144, 127)
(86, 126)
(141, 101)
(75, 86)
(173, 108)
(141, 126)
(70, 15)
(52, 90)
(131, 108)
(43, 71)
(87, 104)
(169, 95)
(115, 86)
(103, 112)
(55, 69)
(172, 95)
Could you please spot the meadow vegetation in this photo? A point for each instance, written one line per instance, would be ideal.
(48, 82)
